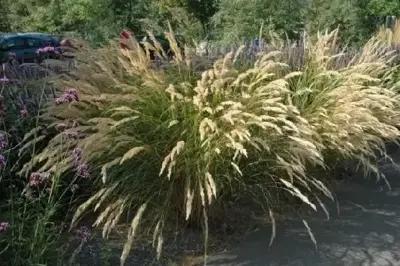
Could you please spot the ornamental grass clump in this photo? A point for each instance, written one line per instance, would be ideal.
(167, 141)
(390, 35)
(353, 107)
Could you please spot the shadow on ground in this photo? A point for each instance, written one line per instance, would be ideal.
(365, 231)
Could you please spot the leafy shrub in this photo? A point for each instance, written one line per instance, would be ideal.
(168, 141)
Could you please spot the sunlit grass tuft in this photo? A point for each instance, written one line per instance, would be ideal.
(167, 141)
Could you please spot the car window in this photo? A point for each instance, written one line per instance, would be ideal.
(13, 43)
(48, 42)
(33, 42)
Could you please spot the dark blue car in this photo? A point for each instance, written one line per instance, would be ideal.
(26, 46)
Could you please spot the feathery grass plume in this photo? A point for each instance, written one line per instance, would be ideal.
(351, 107)
(198, 137)
(390, 36)
(132, 233)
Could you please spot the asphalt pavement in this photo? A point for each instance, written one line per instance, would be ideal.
(363, 229)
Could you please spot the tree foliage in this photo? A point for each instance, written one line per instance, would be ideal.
(384, 7)
(352, 17)
(242, 19)
(224, 20)
(5, 24)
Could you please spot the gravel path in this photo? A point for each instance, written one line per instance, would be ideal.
(364, 230)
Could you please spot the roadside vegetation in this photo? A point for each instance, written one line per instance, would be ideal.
(121, 144)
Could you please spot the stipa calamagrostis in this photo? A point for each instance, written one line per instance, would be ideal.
(169, 142)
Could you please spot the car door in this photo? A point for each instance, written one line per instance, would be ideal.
(16, 46)
(32, 45)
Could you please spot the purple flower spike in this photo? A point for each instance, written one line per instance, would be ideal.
(82, 170)
(68, 95)
(35, 179)
(4, 81)
(2, 161)
(3, 141)
(77, 157)
(84, 234)
(4, 226)
(60, 101)
(24, 113)
(81, 167)
(3, 145)
(72, 93)
(77, 152)
(47, 49)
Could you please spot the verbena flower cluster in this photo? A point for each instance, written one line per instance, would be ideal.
(84, 234)
(4, 80)
(79, 165)
(47, 50)
(4, 226)
(69, 95)
(35, 179)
